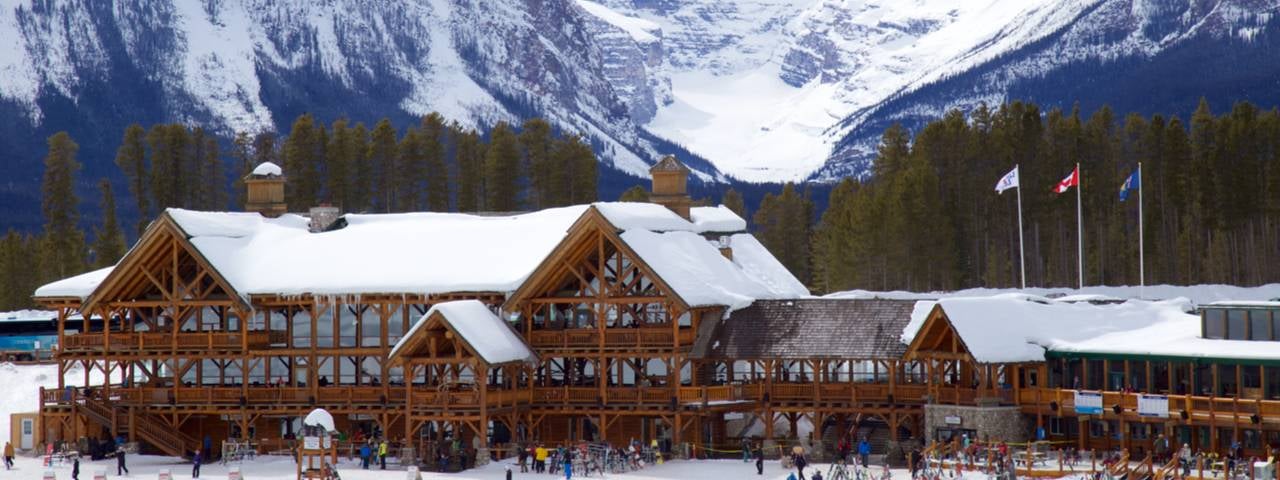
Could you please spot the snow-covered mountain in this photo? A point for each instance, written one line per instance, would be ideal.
(766, 90)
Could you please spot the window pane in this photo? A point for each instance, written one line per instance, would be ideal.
(1260, 325)
(1236, 325)
(1213, 323)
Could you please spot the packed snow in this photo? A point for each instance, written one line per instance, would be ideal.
(320, 418)
(487, 334)
(282, 468)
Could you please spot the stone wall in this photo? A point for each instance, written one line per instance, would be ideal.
(998, 423)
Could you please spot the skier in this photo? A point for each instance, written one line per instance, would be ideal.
(864, 451)
(801, 462)
(568, 465)
(382, 453)
(195, 465)
(759, 460)
(8, 455)
(365, 451)
(120, 468)
(508, 472)
(746, 450)
(75, 468)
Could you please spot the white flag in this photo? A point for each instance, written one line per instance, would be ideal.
(1009, 180)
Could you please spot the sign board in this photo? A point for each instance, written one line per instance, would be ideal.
(1153, 406)
(165, 475)
(952, 419)
(1088, 403)
(734, 416)
(311, 443)
(99, 475)
(48, 475)
(234, 474)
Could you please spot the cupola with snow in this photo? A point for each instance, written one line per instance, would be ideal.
(671, 185)
(265, 195)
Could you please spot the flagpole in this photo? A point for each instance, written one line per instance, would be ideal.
(1079, 229)
(1142, 261)
(1022, 253)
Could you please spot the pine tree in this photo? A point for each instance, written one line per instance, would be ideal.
(636, 193)
(303, 157)
(19, 270)
(341, 161)
(784, 222)
(242, 156)
(502, 170)
(575, 167)
(411, 174)
(470, 158)
(733, 200)
(433, 134)
(131, 157)
(169, 165)
(382, 159)
(362, 174)
(266, 148)
(547, 181)
(108, 242)
(212, 176)
(63, 254)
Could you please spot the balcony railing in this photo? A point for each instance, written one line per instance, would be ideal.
(166, 341)
(1197, 407)
(614, 338)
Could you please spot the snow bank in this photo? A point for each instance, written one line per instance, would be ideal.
(491, 338)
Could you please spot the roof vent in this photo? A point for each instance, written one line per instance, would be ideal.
(322, 217)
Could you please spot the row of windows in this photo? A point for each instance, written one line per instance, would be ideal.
(1241, 324)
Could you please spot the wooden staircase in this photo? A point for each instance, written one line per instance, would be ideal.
(149, 428)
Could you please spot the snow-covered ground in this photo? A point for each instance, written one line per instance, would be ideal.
(282, 468)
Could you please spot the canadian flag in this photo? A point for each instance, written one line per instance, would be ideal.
(1072, 180)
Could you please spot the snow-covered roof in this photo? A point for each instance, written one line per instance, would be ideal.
(78, 286)
(702, 276)
(487, 334)
(267, 168)
(717, 219)
(429, 253)
(1200, 294)
(1012, 328)
(1245, 303)
(28, 315)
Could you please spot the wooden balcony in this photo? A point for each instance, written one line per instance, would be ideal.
(254, 397)
(621, 339)
(124, 342)
(429, 402)
(1199, 409)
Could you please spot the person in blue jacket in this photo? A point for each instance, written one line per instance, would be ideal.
(864, 451)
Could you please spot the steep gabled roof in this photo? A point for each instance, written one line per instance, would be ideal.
(485, 335)
(812, 328)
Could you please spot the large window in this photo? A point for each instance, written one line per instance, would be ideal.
(1236, 325)
(1215, 323)
(1260, 325)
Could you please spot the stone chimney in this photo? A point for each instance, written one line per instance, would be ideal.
(265, 189)
(322, 217)
(671, 186)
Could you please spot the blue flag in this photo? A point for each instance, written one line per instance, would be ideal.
(1130, 184)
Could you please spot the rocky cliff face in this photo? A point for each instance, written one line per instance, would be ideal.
(766, 90)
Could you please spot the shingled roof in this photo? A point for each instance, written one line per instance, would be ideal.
(811, 328)
(668, 164)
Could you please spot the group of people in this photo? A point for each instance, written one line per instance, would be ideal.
(372, 452)
(584, 459)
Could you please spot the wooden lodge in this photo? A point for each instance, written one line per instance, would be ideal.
(604, 322)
